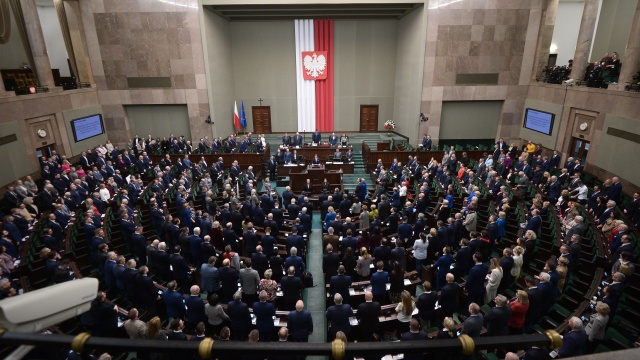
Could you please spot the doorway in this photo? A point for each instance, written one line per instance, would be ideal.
(45, 151)
(261, 119)
(579, 150)
(369, 118)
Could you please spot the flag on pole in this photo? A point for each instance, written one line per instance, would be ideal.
(236, 118)
(243, 118)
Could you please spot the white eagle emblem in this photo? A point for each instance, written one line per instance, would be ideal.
(315, 65)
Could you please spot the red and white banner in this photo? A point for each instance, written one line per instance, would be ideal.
(314, 74)
(314, 65)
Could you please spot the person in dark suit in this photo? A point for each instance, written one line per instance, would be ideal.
(449, 297)
(181, 269)
(264, 312)
(174, 301)
(333, 139)
(146, 293)
(497, 319)
(240, 317)
(473, 325)
(195, 308)
(463, 258)
(316, 137)
(330, 264)
(535, 222)
(286, 139)
(443, 264)
(575, 340)
(295, 261)
(340, 284)
(378, 282)
(475, 281)
(535, 303)
(368, 313)
(300, 323)
(338, 315)
(291, 289)
(105, 314)
(414, 334)
(426, 305)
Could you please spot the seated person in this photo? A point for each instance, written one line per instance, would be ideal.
(337, 156)
(344, 140)
(316, 160)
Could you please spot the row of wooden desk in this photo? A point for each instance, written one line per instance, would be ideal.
(286, 169)
(324, 151)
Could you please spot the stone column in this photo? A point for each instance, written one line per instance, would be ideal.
(544, 37)
(631, 61)
(585, 37)
(36, 41)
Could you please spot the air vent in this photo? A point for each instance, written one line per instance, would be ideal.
(148, 82)
(624, 134)
(477, 79)
(8, 139)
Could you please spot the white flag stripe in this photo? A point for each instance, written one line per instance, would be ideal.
(306, 89)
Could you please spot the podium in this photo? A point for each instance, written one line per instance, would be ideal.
(317, 174)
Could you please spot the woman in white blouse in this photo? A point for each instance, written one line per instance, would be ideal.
(494, 278)
(517, 262)
(404, 310)
(420, 247)
(104, 193)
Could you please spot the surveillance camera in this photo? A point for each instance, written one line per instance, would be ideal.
(569, 82)
(39, 309)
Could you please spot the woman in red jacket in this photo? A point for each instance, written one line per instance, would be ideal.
(519, 308)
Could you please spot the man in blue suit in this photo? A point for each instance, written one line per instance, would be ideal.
(443, 264)
(534, 223)
(174, 301)
(295, 261)
(195, 308)
(498, 317)
(316, 137)
(405, 230)
(574, 341)
(109, 265)
(414, 334)
(240, 318)
(614, 192)
(338, 315)
(379, 281)
(264, 312)
(339, 284)
(473, 325)
(333, 139)
(300, 323)
(475, 281)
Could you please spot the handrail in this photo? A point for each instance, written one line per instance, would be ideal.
(337, 349)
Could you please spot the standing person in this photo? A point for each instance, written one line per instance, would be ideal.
(420, 247)
(475, 280)
(597, 325)
(519, 308)
(216, 317)
(379, 281)
(136, 328)
(338, 316)
(404, 311)
(495, 277)
(300, 323)
(497, 319)
(426, 305)
(368, 317)
(574, 341)
(264, 312)
(414, 334)
(249, 282)
(363, 264)
(240, 318)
